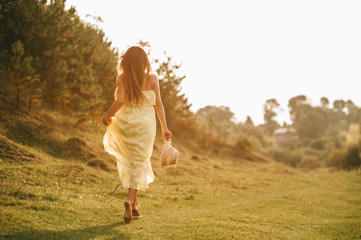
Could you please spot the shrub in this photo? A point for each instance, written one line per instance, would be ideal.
(347, 159)
(285, 155)
(311, 152)
(318, 144)
(304, 142)
(336, 159)
(254, 132)
(255, 142)
(338, 140)
(244, 143)
(352, 157)
(309, 162)
(329, 147)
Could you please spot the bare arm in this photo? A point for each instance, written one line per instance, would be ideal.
(117, 104)
(160, 110)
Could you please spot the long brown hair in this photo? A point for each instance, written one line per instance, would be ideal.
(135, 67)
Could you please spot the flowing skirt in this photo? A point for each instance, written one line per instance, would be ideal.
(130, 138)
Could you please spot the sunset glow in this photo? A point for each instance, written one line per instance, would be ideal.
(241, 53)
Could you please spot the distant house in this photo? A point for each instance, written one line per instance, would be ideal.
(285, 136)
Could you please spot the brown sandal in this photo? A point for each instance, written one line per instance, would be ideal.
(128, 216)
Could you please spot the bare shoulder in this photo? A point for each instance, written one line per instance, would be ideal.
(119, 79)
(154, 79)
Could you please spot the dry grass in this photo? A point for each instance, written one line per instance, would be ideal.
(208, 195)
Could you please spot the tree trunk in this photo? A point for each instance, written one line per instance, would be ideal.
(29, 103)
(17, 80)
(17, 95)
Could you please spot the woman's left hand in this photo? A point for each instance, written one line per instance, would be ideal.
(107, 121)
(166, 134)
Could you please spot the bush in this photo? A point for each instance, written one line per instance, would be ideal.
(329, 147)
(243, 143)
(284, 155)
(336, 159)
(352, 157)
(318, 144)
(347, 159)
(309, 162)
(338, 140)
(304, 142)
(255, 142)
(254, 132)
(311, 152)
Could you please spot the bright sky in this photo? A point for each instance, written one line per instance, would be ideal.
(241, 53)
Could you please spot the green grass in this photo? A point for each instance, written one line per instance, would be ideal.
(209, 196)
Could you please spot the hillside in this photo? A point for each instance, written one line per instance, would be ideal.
(58, 183)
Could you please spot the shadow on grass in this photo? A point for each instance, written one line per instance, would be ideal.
(81, 234)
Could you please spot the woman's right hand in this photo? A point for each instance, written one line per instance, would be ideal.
(166, 134)
(107, 121)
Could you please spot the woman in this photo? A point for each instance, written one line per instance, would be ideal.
(131, 131)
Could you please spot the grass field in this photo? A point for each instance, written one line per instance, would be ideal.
(58, 183)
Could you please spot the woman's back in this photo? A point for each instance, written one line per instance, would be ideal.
(148, 89)
(130, 138)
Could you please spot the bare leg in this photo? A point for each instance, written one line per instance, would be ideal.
(132, 196)
(128, 216)
(135, 204)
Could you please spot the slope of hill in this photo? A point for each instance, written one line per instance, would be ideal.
(58, 183)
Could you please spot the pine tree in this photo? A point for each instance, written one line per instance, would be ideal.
(176, 105)
(23, 75)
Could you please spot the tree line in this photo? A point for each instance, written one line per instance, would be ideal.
(50, 58)
(324, 135)
(314, 121)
